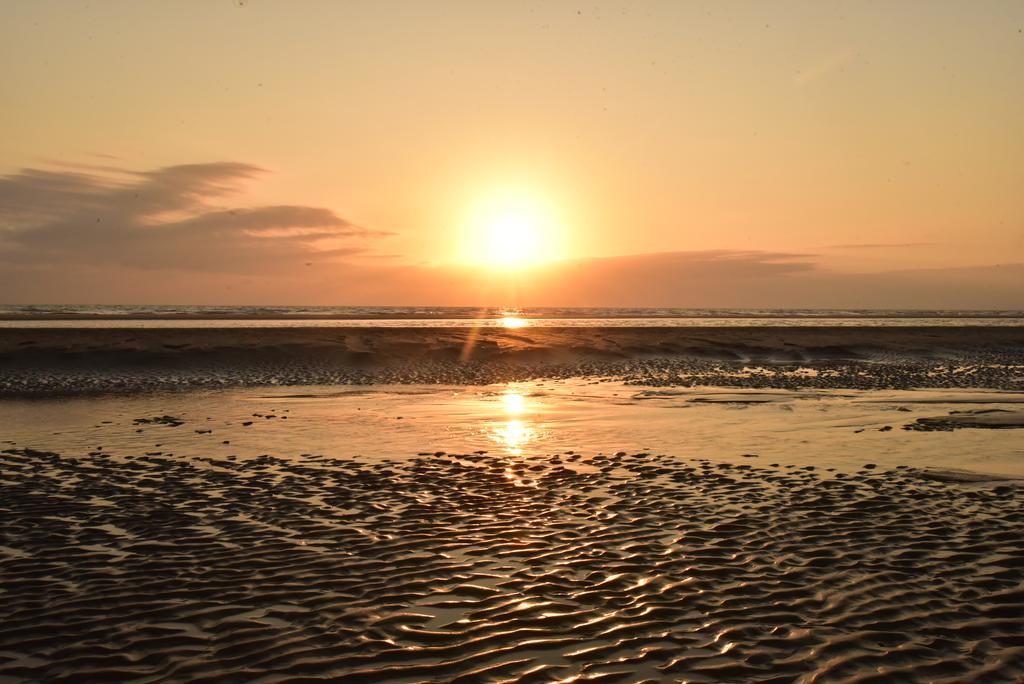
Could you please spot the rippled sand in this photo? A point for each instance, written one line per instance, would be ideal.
(473, 568)
(322, 534)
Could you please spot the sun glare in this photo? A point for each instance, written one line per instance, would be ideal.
(515, 403)
(513, 240)
(510, 231)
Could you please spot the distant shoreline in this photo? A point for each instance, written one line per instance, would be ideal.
(429, 313)
(428, 317)
(504, 322)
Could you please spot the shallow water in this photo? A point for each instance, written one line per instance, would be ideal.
(826, 428)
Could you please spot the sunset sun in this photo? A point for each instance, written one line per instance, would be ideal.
(512, 240)
(510, 231)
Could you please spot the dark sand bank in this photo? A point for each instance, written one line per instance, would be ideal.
(472, 568)
(85, 360)
(381, 345)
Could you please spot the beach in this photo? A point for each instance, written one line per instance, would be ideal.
(747, 504)
(512, 343)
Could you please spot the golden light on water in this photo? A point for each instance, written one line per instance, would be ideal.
(512, 322)
(515, 403)
(515, 432)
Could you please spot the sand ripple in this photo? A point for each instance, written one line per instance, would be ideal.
(471, 568)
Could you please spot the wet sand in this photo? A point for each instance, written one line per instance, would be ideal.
(798, 524)
(622, 567)
(54, 361)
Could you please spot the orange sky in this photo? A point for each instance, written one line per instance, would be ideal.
(786, 154)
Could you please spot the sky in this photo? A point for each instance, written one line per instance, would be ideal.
(785, 154)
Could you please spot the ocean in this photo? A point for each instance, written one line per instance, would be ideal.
(188, 316)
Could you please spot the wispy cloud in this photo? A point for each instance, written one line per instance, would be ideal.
(174, 218)
(884, 245)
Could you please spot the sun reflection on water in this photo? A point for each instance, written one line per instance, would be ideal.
(512, 322)
(514, 433)
(515, 403)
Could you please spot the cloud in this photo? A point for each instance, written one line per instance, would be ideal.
(171, 218)
(668, 279)
(884, 245)
(180, 235)
(704, 279)
(698, 279)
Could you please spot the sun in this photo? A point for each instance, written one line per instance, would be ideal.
(510, 230)
(513, 239)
